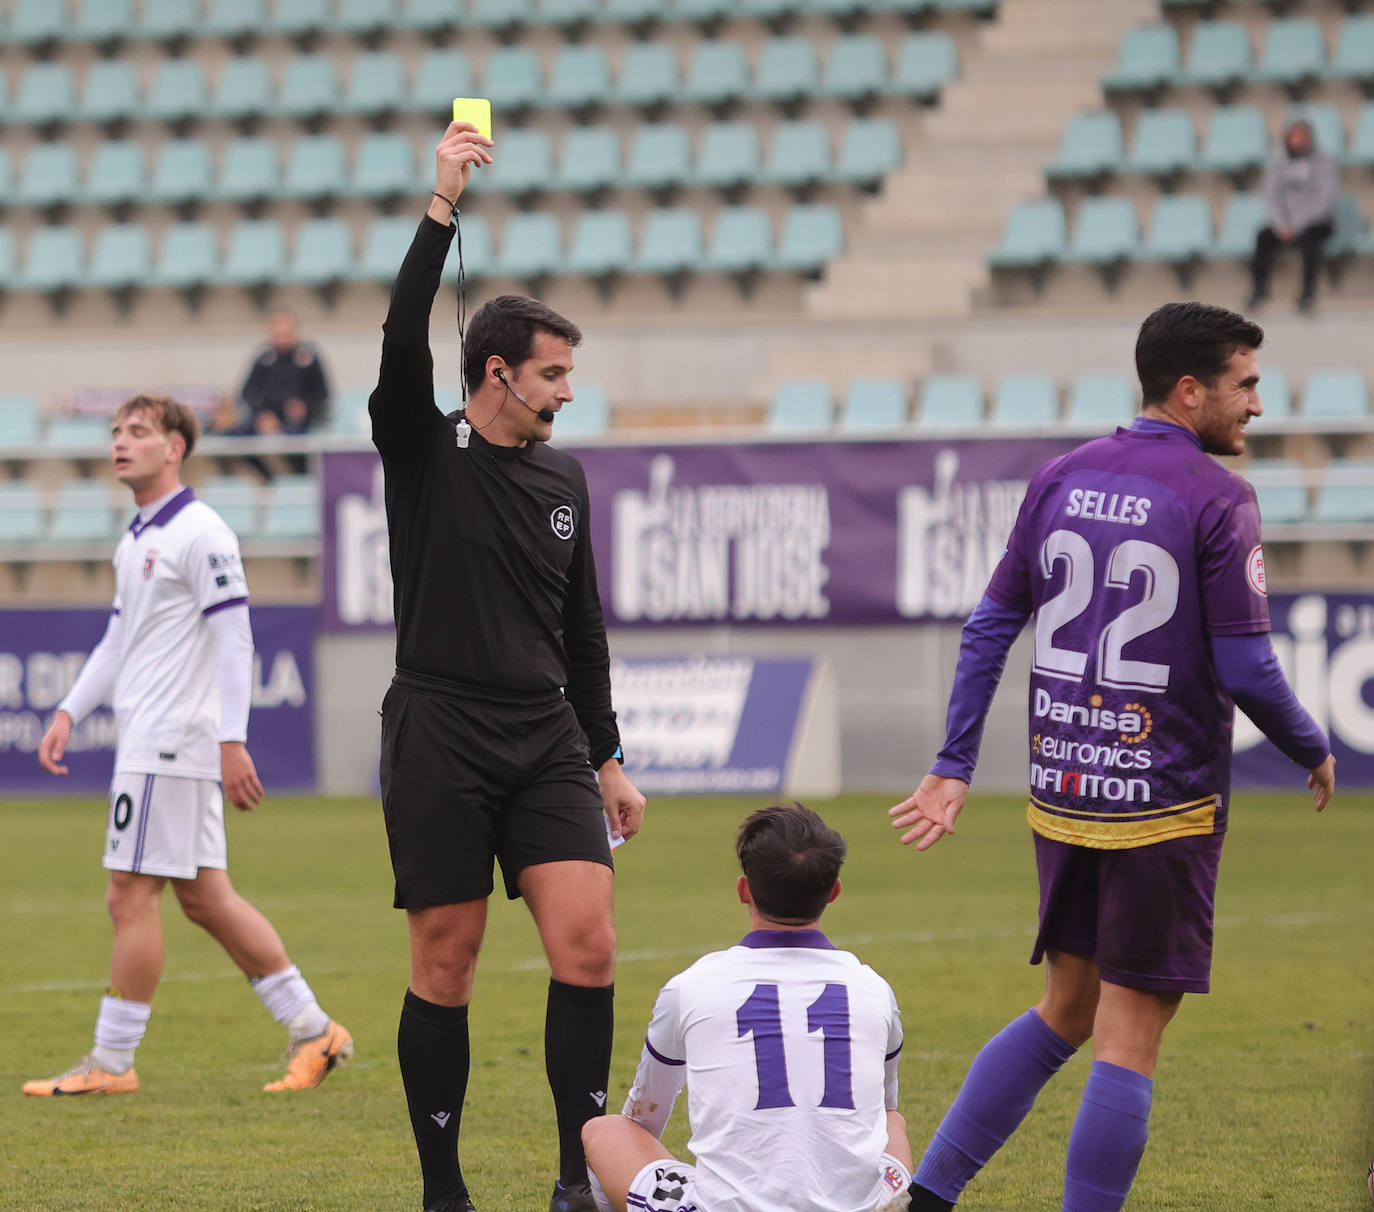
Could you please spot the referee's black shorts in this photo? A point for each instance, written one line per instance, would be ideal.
(466, 779)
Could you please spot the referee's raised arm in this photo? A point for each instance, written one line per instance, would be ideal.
(403, 402)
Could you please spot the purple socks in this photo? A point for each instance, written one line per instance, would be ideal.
(1000, 1088)
(1108, 1139)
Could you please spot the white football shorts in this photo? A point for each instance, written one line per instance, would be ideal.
(166, 826)
(670, 1186)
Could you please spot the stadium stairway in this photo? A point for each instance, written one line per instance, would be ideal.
(920, 252)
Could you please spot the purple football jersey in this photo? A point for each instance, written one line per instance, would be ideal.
(1131, 551)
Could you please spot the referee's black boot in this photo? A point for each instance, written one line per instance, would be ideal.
(452, 1203)
(577, 1198)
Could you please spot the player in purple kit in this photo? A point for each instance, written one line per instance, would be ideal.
(1139, 558)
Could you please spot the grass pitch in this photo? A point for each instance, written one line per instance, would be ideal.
(1262, 1096)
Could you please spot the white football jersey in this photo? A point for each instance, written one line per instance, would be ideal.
(789, 1051)
(171, 573)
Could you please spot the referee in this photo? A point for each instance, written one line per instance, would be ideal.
(498, 738)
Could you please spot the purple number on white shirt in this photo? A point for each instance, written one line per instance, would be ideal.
(761, 1017)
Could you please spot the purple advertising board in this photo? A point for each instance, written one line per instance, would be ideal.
(765, 533)
(42, 651)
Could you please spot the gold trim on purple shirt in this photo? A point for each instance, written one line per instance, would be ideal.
(1124, 830)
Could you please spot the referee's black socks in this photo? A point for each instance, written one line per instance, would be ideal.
(577, 1054)
(432, 1046)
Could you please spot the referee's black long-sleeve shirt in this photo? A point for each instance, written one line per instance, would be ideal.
(491, 552)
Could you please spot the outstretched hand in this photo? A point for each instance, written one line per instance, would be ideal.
(930, 812)
(1322, 780)
(459, 149)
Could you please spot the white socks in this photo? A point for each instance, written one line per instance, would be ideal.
(289, 1000)
(119, 1029)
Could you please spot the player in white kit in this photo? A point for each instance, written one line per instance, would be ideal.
(788, 1048)
(177, 657)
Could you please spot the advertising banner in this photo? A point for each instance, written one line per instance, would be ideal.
(42, 651)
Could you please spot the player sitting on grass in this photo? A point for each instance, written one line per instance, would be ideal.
(788, 1048)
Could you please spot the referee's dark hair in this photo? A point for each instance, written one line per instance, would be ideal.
(169, 415)
(505, 326)
(1189, 339)
(791, 859)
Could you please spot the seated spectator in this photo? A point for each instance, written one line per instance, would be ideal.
(1301, 188)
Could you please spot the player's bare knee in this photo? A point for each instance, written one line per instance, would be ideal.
(128, 899)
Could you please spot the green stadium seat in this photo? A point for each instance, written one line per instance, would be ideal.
(292, 508)
(910, 9)
(300, 18)
(799, 154)
(376, 84)
(855, 68)
(385, 166)
(348, 414)
(188, 256)
(660, 157)
(430, 16)
(1091, 146)
(1344, 496)
(567, 14)
(243, 88)
(478, 250)
(249, 171)
(788, 70)
(1180, 230)
(46, 94)
(323, 253)
(801, 406)
(650, 74)
(1246, 214)
(870, 149)
(874, 404)
(1102, 399)
(671, 242)
(1148, 59)
(591, 159)
(730, 155)
(839, 10)
(703, 12)
(1361, 149)
(443, 73)
(255, 253)
(1354, 55)
(524, 164)
(85, 512)
(532, 246)
(1347, 234)
(631, 12)
(1218, 56)
(19, 417)
(234, 19)
(6, 174)
(1279, 489)
(1165, 143)
(926, 62)
(9, 259)
(181, 172)
(513, 80)
(1275, 393)
(384, 247)
(500, 15)
(101, 21)
(109, 91)
(1336, 395)
(315, 167)
(445, 398)
(66, 432)
(581, 76)
(741, 240)
(178, 91)
(950, 402)
(978, 8)
(35, 22)
(309, 87)
(50, 175)
(1328, 129)
(1294, 53)
(771, 10)
(1025, 400)
(21, 503)
(586, 415)
(235, 499)
(812, 237)
(719, 73)
(1034, 236)
(169, 20)
(1237, 140)
(364, 18)
(1105, 233)
(601, 243)
(122, 257)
